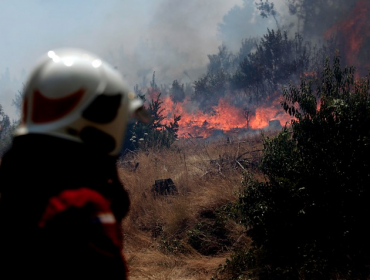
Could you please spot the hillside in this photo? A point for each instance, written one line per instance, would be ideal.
(185, 236)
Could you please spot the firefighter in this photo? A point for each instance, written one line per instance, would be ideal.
(62, 202)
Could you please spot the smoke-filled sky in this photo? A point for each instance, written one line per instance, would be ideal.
(137, 36)
(170, 37)
(31, 27)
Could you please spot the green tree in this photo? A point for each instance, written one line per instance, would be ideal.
(215, 83)
(208, 89)
(247, 46)
(276, 61)
(177, 92)
(267, 9)
(155, 134)
(309, 219)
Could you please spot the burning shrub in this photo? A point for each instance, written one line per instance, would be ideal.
(309, 219)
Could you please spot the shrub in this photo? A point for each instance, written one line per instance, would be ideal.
(155, 134)
(309, 218)
(210, 236)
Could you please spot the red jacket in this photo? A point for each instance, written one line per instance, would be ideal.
(61, 208)
(90, 237)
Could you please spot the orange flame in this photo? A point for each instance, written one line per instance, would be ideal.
(353, 30)
(224, 117)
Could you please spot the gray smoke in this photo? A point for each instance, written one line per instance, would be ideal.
(170, 37)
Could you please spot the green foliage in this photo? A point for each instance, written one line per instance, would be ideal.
(242, 265)
(207, 89)
(277, 60)
(247, 46)
(211, 235)
(170, 246)
(309, 219)
(267, 9)
(260, 68)
(154, 134)
(216, 81)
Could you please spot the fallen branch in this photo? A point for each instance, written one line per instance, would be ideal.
(240, 164)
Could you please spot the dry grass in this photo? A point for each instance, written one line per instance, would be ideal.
(207, 176)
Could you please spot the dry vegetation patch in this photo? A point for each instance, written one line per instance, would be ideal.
(182, 236)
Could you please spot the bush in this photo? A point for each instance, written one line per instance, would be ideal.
(211, 235)
(309, 219)
(155, 134)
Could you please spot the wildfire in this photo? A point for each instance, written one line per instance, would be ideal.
(309, 75)
(224, 117)
(353, 31)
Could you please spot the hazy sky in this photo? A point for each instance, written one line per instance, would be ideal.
(168, 36)
(31, 27)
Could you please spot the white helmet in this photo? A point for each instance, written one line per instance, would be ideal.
(72, 94)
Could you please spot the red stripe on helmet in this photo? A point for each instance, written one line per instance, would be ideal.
(51, 109)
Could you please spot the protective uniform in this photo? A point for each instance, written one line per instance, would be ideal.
(62, 202)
